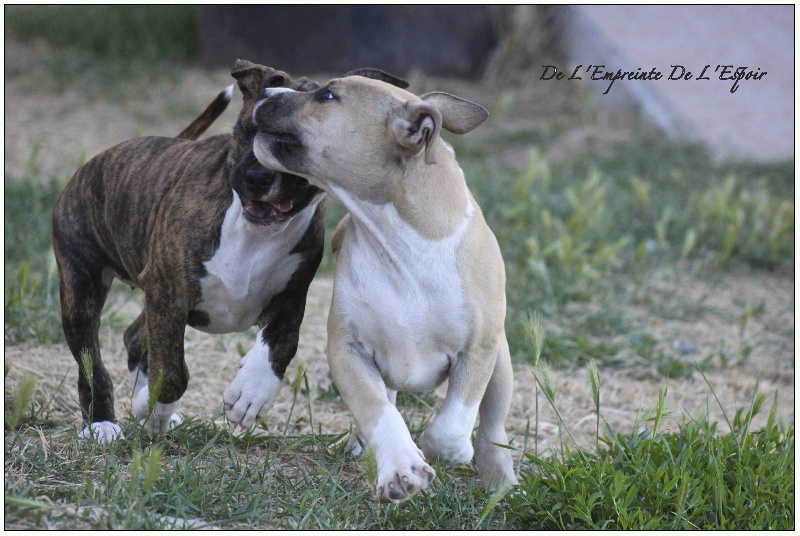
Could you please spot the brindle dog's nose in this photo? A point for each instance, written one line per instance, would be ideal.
(257, 178)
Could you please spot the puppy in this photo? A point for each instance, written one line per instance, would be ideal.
(419, 288)
(215, 241)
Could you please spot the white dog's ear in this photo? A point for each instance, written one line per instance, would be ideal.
(416, 127)
(459, 116)
(417, 124)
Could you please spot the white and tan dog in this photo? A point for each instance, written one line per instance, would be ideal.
(419, 291)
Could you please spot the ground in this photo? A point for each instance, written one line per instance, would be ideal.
(63, 129)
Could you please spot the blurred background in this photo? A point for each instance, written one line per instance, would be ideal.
(508, 44)
(511, 43)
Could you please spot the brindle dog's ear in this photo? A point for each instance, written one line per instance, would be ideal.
(253, 77)
(377, 74)
(303, 84)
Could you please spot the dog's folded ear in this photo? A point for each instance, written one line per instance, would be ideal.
(252, 77)
(417, 124)
(377, 74)
(459, 116)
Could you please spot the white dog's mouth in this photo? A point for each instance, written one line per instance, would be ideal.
(276, 140)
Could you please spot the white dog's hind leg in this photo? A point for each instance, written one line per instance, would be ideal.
(495, 466)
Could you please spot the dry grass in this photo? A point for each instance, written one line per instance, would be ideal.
(627, 393)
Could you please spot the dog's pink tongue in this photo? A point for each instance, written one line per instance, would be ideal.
(257, 209)
(284, 206)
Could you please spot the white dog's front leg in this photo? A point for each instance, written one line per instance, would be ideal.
(254, 388)
(163, 417)
(356, 441)
(448, 437)
(402, 470)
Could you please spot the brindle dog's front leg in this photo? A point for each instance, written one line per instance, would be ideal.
(258, 380)
(259, 377)
(167, 373)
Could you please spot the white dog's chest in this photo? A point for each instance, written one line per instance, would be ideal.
(248, 269)
(413, 318)
(414, 334)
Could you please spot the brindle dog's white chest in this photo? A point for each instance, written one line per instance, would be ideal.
(248, 269)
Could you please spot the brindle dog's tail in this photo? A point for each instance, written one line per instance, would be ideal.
(214, 110)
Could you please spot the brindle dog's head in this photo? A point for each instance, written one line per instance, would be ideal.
(269, 198)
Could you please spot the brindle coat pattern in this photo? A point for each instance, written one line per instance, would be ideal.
(149, 211)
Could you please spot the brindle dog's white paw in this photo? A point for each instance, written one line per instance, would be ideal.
(252, 391)
(403, 476)
(103, 432)
(163, 417)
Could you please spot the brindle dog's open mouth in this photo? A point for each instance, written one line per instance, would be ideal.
(264, 212)
(279, 210)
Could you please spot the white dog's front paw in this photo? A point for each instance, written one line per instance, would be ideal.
(162, 419)
(103, 432)
(253, 390)
(403, 475)
(449, 436)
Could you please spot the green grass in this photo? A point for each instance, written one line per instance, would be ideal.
(599, 229)
(691, 479)
(202, 475)
(123, 33)
(31, 303)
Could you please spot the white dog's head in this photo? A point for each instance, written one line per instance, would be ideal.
(357, 133)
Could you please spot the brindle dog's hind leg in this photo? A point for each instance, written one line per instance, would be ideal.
(136, 344)
(83, 293)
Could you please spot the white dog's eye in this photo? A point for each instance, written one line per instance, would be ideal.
(324, 94)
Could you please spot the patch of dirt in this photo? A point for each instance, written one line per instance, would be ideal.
(65, 126)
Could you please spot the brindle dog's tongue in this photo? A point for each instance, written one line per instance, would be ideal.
(283, 206)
